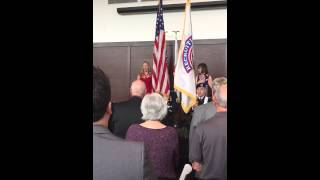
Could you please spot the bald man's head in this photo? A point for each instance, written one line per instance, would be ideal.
(138, 88)
(221, 96)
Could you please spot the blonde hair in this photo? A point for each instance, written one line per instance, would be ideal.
(149, 68)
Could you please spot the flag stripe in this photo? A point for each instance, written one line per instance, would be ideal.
(161, 68)
(163, 77)
(163, 88)
(156, 44)
(160, 77)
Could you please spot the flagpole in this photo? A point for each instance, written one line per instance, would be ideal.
(175, 47)
(176, 59)
(193, 48)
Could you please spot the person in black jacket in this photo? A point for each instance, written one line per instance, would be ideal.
(127, 113)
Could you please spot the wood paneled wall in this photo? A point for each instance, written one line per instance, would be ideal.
(122, 61)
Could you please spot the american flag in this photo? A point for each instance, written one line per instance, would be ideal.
(160, 78)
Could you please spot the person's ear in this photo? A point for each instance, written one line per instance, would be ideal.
(109, 108)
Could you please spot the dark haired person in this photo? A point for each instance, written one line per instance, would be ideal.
(204, 78)
(113, 158)
(202, 98)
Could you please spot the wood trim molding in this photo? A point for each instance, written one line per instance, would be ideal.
(172, 7)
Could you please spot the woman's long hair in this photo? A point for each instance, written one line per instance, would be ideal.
(204, 68)
(149, 68)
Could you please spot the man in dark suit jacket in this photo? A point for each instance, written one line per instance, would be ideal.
(113, 157)
(127, 113)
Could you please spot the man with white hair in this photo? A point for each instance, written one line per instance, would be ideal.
(208, 148)
(126, 113)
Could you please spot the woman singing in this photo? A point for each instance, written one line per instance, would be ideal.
(145, 75)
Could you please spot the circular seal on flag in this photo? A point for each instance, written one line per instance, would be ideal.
(187, 55)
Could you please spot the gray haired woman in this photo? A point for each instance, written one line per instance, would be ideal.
(161, 141)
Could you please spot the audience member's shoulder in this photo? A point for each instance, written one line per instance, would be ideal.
(210, 105)
(204, 124)
(198, 108)
(114, 105)
(221, 116)
(119, 106)
(171, 129)
(134, 143)
(204, 107)
(120, 103)
(134, 127)
(216, 119)
(129, 144)
(134, 99)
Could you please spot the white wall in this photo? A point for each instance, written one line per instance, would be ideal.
(109, 26)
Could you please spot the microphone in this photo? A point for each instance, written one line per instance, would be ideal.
(186, 170)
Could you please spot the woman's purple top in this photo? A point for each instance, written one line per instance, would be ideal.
(161, 146)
